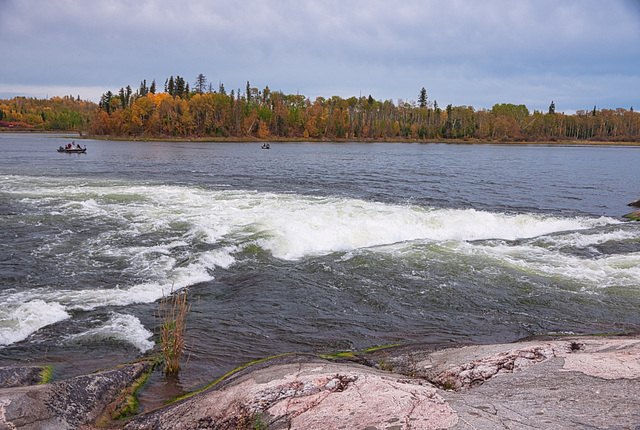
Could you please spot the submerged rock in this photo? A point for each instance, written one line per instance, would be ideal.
(633, 216)
(636, 203)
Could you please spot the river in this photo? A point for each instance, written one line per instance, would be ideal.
(307, 247)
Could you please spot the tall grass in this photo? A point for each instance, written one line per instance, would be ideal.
(172, 313)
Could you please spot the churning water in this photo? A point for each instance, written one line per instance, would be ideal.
(308, 247)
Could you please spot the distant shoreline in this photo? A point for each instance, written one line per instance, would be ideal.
(249, 139)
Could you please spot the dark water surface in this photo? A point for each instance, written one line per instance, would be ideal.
(307, 247)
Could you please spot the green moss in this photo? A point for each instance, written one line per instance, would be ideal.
(128, 404)
(226, 375)
(376, 348)
(345, 354)
(353, 354)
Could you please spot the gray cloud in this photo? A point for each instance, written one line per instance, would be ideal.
(462, 51)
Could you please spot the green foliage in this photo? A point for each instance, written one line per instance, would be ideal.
(57, 113)
(519, 112)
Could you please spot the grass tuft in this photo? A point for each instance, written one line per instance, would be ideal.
(45, 374)
(172, 313)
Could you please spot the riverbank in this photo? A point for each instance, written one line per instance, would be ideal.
(550, 382)
(250, 139)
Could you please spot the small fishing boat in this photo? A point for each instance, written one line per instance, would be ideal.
(72, 148)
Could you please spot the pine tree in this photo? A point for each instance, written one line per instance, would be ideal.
(105, 101)
(122, 99)
(200, 84)
(152, 88)
(179, 86)
(143, 89)
(171, 88)
(552, 107)
(422, 99)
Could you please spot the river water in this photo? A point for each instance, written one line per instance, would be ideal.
(307, 247)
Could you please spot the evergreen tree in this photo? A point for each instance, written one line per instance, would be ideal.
(248, 93)
(152, 88)
(123, 104)
(422, 99)
(143, 89)
(221, 89)
(171, 88)
(200, 83)
(105, 102)
(552, 107)
(179, 86)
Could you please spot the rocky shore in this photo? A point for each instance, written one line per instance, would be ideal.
(539, 383)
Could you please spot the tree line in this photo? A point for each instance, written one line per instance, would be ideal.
(202, 111)
(66, 113)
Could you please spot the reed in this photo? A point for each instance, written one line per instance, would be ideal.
(172, 312)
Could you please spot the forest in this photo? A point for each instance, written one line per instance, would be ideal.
(202, 112)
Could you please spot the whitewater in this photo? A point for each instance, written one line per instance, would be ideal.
(309, 247)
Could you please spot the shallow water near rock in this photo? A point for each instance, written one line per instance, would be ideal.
(307, 247)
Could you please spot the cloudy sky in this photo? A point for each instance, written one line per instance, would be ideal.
(578, 53)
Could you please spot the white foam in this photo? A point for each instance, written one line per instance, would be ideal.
(121, 327)
(170, 237)
(310, 228)
(595, 273)
(582, 240)
(289, 226)
(17, 322)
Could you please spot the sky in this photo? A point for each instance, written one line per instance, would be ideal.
(577, 53)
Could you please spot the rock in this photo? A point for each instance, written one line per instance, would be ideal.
(21, 376)
(633, 216)
(636, 203)
(569, 383)
(66, 404)
(547, 382)
(306, 392)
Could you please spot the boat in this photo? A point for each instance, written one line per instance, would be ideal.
(72, 148)
(266, 146)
